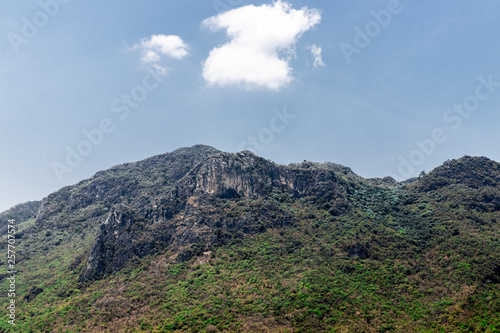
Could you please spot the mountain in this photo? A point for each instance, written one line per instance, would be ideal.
(22, 213)
(199, 240)
(473, 172)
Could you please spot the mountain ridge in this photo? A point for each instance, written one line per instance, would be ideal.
(387, 180)
(240, 243)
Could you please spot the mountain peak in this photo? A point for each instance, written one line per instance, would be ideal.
(471, 171)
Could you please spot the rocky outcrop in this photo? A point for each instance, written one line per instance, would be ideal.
(113, 244)
(227, 175)
(244, 174)
(122, 236)
(184, 222)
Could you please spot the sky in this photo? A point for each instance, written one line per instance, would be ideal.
(387, 88)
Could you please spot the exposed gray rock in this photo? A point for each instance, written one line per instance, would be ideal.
(182, 222)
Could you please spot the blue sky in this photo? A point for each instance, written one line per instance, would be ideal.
(398, 87)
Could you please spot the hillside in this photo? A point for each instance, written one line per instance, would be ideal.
(24, 214)
(199, 240)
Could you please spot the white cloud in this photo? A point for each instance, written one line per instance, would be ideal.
(316, 52)
(262, 43)
(157, 45)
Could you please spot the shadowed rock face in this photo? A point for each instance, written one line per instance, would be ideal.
(114, 243)
(183, 222)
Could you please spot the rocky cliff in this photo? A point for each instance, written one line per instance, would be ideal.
(184, 222)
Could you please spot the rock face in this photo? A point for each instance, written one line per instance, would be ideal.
(244, 174)
(113, 243)
(183, 222)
